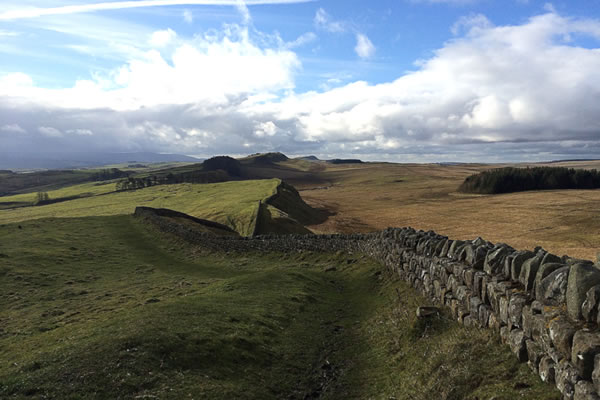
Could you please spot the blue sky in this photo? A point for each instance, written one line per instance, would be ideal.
(402, 80)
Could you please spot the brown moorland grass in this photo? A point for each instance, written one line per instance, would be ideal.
(371, 196)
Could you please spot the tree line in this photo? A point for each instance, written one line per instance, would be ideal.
(510, 179)
(132, 183)
(108, 174)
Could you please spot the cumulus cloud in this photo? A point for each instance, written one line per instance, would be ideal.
(364, 47)
(208, 70)
(50, 131)
(491, 93)
(162, 38)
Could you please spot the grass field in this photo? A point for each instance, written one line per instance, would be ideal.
(368, 197)
(231, 203)
(90, 188)
(106, 307)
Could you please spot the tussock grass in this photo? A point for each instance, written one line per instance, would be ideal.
(368, 197)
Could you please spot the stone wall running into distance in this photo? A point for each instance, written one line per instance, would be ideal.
(543, 306)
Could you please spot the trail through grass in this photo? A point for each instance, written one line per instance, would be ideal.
(106, 308)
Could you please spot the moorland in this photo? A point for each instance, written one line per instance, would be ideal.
(95, 303)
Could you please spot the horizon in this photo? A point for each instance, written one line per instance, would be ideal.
(412, 81)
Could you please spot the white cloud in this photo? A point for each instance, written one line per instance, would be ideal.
(324, 21)
(162, 38)
(80, 132)
(50, 132)
(244, 12)
(491, 93)
(302, 40)
(188, 16)
(34, 12)
(364, 48)
(14, 82)
(209, 70)
(471, 22)
(265, 129)
(12, 128)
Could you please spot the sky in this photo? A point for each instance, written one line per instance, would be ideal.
(387, 80)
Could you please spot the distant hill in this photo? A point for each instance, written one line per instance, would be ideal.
(83, 159)
(264, 158)
(15, 183)
(308, 158)
(345, 161)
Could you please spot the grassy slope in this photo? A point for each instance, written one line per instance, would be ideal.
(91, 188)
(230, 203)
(42, 180)
(105, 307)
(374, 196)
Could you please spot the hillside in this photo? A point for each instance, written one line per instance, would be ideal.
(234, 204)
(149, 316)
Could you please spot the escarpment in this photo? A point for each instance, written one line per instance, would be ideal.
(544, 307)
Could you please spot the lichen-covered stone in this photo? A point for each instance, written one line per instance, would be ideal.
(561, 334)
(544, 271)
(446, 248)
(581, 278)
(566, 378)
(454, 248)
(516, 341)
(494, 260)
(529, 270)
(468, 275)
(494, 323)
(515, 309)
(474, 303)
(518, 259)
(483, 313)
(503, 306)
(586, 345)
(526, 320)
(463, 294)
(504, 334)
(584, 390)
(478, 281)
(546, 369)
(553, 288)
(596, 373)
(589, 308)
(534, 354)
(551, 258)
(507, 264)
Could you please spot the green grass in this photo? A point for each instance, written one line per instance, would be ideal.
(91, 188)
(107, 307)
(42, 180)
(231, 203)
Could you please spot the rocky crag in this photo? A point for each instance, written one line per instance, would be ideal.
(543, 306)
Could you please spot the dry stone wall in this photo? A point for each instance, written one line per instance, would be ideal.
(543, 306)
